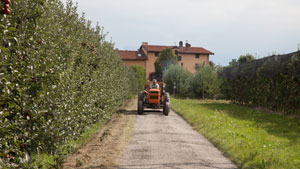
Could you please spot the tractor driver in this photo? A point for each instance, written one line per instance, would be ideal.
(154, 84)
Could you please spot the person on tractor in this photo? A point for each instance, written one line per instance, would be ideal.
(154, 84)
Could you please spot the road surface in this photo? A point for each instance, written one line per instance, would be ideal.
(160, 141)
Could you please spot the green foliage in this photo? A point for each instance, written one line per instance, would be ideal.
(165, 59)
(271, 82)
(46, 160)
(204, 83)
(246, 58)
(57, 76)
(140, 74)
(242, 59)
(252, 139)
(180, 77)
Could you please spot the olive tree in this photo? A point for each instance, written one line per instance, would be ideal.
(204, 83)
(165, 59)
(179, 77)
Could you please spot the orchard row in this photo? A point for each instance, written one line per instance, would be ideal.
(58, 76)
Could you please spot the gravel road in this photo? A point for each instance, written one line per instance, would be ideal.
(160, 141)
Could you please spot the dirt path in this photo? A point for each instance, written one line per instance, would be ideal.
(107, 145)
(147, 141)
(169, 142)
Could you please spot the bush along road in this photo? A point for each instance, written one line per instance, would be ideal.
(58, 76)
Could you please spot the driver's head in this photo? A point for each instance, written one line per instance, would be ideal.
(154, 81)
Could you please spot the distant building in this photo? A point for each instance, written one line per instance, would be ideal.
(188, 57)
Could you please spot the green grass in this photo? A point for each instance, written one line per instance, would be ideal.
(250, 138)
(46, 160)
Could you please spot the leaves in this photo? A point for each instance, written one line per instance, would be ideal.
(165, 59)
(178, 77)
(52, 87)
(140, 74)
(271, 82)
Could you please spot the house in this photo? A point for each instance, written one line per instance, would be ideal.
(188, 57)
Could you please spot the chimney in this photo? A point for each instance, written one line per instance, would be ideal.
(180, 44)
(144, 43)
(187, 46)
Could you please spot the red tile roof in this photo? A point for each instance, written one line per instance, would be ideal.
(132, 55)
(193, 50)
(156, 48)
(140, 55)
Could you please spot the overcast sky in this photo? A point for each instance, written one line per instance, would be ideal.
(229, 28)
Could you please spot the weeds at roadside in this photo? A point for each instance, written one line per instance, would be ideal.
(251, 138)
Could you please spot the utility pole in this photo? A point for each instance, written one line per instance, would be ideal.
(298, 46)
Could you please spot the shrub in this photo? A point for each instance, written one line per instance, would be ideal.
(165, 59)
(204, 83)
(57, 76)
(177, 75)
(140, 74)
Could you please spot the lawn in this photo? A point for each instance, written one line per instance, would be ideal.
(250, 138)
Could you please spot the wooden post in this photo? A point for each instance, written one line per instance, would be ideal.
(174, 87)
(202, 89)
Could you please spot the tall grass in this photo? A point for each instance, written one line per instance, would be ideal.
(250, 138)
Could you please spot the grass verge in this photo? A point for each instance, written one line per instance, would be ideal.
(46, 160)
(250, 138)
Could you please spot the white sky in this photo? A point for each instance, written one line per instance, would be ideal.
(229, 28)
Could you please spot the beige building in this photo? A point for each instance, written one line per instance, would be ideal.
(188, 57)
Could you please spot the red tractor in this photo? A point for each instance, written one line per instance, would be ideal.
(154, 99)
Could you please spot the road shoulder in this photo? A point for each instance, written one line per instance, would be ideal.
(107, 145)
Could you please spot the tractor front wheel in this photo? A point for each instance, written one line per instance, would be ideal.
(140, 107)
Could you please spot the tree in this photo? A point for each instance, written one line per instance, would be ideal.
(205, 82)
(165, 59)
(180, 77)
(246, 58)
(140, 74)
(242, 59)
(233, 62)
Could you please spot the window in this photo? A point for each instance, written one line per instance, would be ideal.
(197, 66)
(197, 56)
(181, 65)
(176, 52)
(139, 54)
(156, 54)
(179, 58)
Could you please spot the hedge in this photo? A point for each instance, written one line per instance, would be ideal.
(58, 75)
(140, 74)
(272, 82)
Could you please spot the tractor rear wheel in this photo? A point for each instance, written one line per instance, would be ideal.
(167, 97)
(140, 107)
